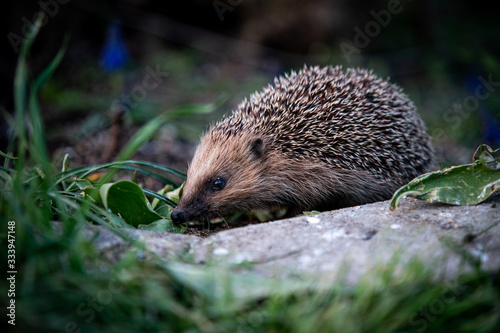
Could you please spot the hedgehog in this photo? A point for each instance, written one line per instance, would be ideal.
(317, 139)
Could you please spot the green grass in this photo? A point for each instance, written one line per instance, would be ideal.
(63, 284)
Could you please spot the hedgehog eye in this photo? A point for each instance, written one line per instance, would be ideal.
(217, 184)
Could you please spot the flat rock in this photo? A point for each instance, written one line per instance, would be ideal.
(362, 238)
(354, 241)
(113, 246)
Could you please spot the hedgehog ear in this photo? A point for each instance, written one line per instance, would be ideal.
(257, 148)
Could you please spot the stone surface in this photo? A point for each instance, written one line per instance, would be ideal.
(360, 238)
(165, 245)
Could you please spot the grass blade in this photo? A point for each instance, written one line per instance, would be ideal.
(83, 172)
(160, 197)
(39, 148)
(145, 172)
(20, 93)
(146, 132)
(8, 157)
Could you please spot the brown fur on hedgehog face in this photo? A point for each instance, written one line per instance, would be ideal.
(224, 176)
(255, 176)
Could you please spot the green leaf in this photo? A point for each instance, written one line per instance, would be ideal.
(156, 202)
(467, 184)
(310, 212)
(92, 193)
(163, 225)
(127, 200)
(175, 195)
(166, 199)
(489, 157)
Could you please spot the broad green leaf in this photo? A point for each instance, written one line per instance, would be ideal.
(311, 212)
(163, 225)
(467, 184)
(93, 193)
(127, 200)
(262, 215)
(89, 190)
(175, 195)
(489, 157)
(171, 197)
(156, 202)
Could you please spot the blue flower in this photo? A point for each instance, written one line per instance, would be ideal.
(114, 54)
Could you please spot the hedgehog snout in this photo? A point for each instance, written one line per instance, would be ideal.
(177, 216)
(189, 210)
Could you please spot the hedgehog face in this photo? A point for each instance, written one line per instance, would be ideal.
(224, 176)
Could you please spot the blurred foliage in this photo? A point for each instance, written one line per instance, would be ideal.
(188, 80)
(29, 168)
(436, 50)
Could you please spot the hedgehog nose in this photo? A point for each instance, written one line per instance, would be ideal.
(177, 217)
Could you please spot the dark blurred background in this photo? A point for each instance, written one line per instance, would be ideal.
(130, 60)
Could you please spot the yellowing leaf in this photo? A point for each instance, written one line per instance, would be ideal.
(467, 184)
